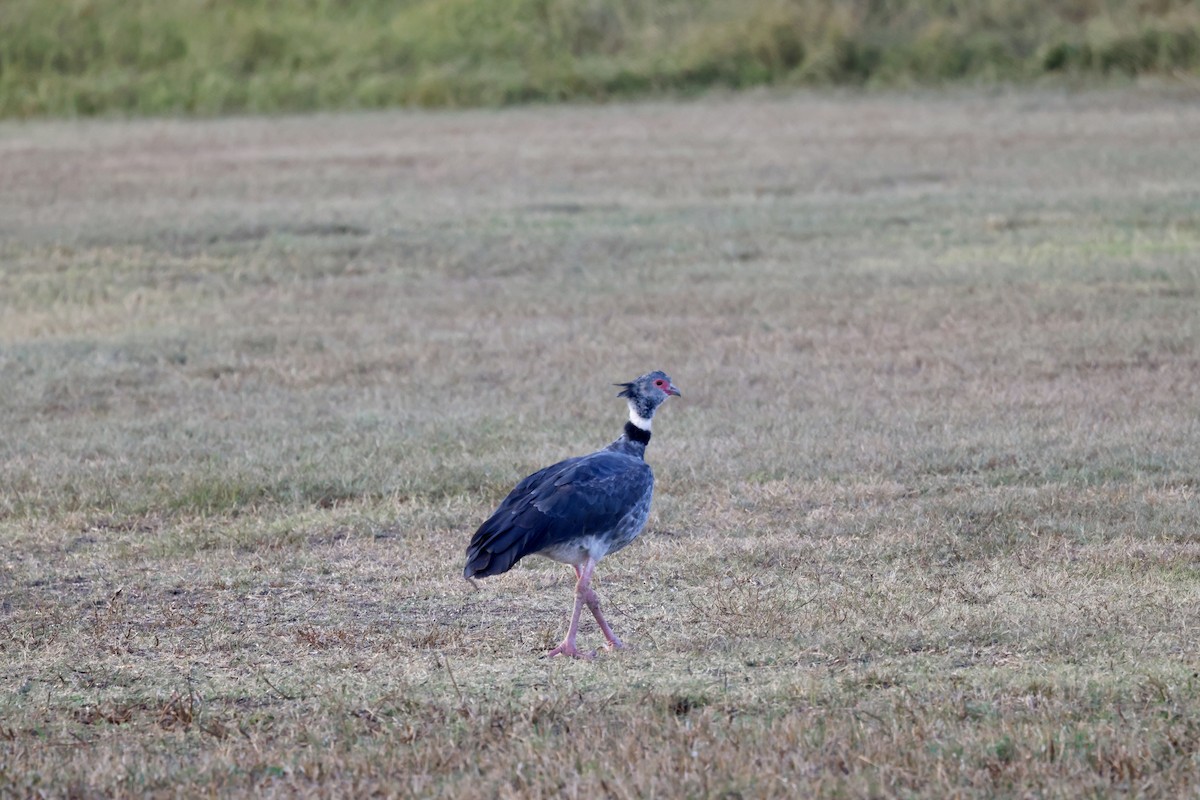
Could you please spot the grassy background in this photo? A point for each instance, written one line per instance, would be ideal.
(87, 57)
(926, 516)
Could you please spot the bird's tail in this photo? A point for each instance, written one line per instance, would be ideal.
(478, 561)
(492, 553)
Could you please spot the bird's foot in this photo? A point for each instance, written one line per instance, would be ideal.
(568, 648)
(615, 644)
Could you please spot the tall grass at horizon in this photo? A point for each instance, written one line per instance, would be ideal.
(103, 57)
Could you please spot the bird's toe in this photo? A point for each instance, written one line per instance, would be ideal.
(569, 649)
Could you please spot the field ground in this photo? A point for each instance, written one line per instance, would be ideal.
(927, 515)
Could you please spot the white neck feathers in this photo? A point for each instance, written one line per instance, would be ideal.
(637, 419)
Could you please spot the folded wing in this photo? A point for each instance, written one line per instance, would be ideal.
(573, 499)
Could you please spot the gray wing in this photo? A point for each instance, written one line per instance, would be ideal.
(574, 498)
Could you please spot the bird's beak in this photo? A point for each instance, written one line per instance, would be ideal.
(672, 390)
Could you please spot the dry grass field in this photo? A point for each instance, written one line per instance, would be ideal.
(927, 518)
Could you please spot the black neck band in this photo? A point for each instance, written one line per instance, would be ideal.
(637, 434)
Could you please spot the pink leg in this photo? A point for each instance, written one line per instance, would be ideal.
(592, 601)
(613, 642)
(568, 648)
(585, 596)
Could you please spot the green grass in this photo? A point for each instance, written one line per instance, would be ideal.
(190, 57)
(925, 517)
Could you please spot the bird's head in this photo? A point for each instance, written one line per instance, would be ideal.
(645, 395)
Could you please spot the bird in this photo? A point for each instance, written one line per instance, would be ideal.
(579, 510)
